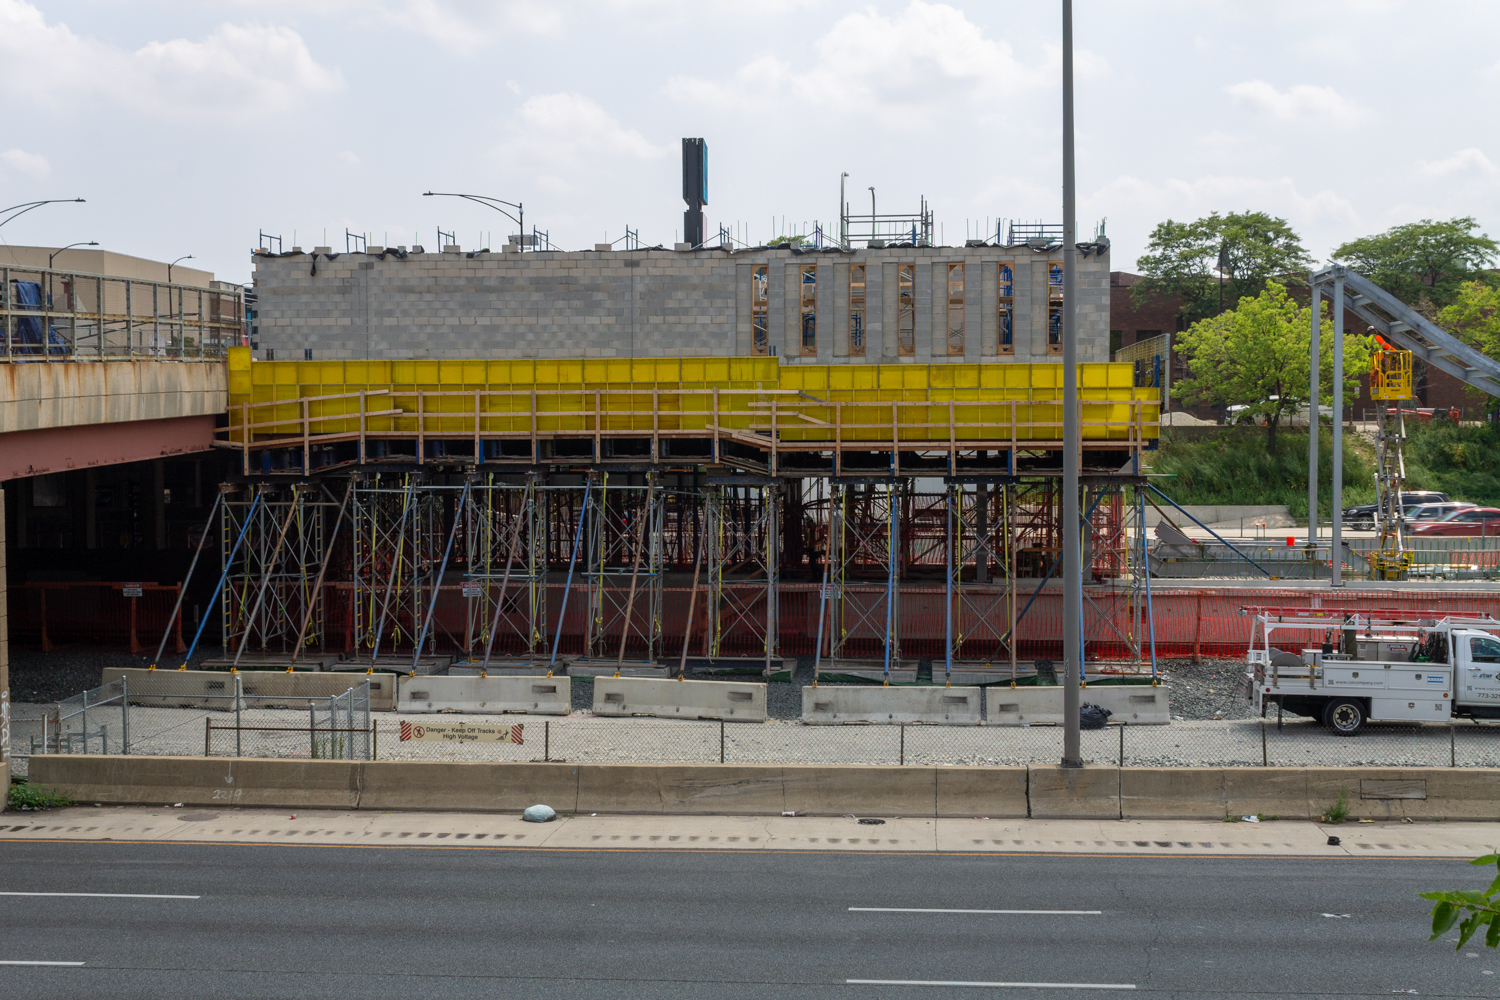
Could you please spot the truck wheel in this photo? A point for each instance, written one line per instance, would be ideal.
(1345, 717)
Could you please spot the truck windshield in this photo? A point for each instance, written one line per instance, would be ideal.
(1484, 650)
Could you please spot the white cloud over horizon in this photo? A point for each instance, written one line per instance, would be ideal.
(192, 128)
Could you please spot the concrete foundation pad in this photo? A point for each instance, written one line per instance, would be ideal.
(741, 664)
(843, 703)
(732, 701)
(630, 668)
(1074, 792)
(980, 671)
(902, 672)
(484, 695)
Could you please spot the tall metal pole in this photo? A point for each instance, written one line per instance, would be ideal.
(1312, 417)
(1072, 439)
(1336, 574)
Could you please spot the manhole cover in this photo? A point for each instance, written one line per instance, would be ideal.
(197, 817)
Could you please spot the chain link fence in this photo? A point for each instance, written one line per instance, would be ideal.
(128, 718)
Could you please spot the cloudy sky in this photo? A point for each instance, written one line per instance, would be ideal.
(192, 125)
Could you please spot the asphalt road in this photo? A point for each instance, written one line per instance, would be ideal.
(432, 923)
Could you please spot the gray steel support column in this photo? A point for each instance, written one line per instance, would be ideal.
(1312, 419)
(1336, 573)
(1072, 569)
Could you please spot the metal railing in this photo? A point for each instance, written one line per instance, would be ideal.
(47, 314)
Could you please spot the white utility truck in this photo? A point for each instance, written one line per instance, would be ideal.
(1384, 665)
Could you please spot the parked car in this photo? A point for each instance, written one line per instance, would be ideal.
(1364, 514)
(1435, 511)
(1474, 521)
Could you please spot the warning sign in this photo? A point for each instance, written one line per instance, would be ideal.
(473, 589)
(131, 589)
(460, 732)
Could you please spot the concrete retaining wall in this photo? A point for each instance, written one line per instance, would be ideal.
(530, 695)
(836, 703)
(1132, 704)
(718, 789)
(259, 688)
(735, 701)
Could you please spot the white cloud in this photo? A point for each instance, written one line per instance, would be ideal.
(238, 70)
(1466, 161)
(1299, 103)
(1134, 205)
(350, 159)
(925, 56)
(32, 165)
(569, 132)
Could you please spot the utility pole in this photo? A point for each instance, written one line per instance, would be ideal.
(1072, 440)
(1336, 571)
(1312, 416)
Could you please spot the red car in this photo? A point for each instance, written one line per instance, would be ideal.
(1474, 521)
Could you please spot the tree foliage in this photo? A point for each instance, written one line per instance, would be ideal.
(1181, 260)
(1422, 260)
(1257, 354)
(1474, 315)
(1476, 907)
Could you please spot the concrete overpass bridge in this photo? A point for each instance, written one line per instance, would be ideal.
(100, 371)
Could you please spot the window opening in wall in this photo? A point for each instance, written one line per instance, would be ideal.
(1005, 311)
(906, 309)
(955, 310)
(1054, 308)
(760, 310)
(810, 310)
(857, 310)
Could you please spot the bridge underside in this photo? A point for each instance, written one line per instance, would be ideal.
(88, 446)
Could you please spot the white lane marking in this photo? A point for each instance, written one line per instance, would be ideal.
(102, 895)
(912, 909)
(959, 982)
(3, 962)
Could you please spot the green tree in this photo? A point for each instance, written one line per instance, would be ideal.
(1183, 260)
(1422, 260)
(1257, 354)
(1474, 315)
(1477, 907)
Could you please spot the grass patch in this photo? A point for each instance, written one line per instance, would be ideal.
(1339, 811)
(1214, 466)
(26, 797)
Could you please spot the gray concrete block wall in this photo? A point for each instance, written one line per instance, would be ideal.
(648, 304)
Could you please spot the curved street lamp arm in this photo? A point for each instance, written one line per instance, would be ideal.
(487, 202)
(27, 206)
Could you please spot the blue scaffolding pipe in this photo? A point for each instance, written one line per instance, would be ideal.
(437, 586)
(228, 561)
(948, 596)
(1146, 572)
(568, 587)
(890, 577)
(406, 506)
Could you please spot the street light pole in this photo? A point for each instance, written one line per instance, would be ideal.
(26, 206)
(843, 223)
(174, 263)
(51, 256)
(519, 219)
(1072, 438)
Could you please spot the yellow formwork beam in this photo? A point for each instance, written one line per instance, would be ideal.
(988, 401)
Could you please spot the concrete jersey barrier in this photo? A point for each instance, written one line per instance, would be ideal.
(836, 703)
(528, 695)
(1130, 704)
(1041, 792)
(734, 701)
(258, 688)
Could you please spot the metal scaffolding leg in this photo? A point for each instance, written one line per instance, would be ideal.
(863, 593)
(744, 526)
(979, 592)
(624, 571)
(505, 586)
(270, 592)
